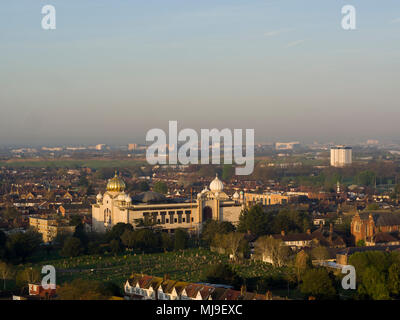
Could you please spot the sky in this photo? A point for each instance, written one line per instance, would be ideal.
(112, 70)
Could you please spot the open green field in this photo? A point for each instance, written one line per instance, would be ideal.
(184, 265)
(93, 164)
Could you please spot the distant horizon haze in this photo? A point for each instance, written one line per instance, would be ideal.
(111, 71)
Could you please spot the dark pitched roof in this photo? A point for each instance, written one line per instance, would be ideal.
(149, 197)
(231, 295)
(218, 293)
(351, 250)
(206, 292)
(382, 237)
(293, 237)
(168, 285)
(324, 238)
(192, 289)
(382, 218)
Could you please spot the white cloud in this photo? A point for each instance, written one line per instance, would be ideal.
(294, 43)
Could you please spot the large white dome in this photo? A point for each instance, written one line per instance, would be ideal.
(216, 185)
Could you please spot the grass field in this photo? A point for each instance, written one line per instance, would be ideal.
(186, 265)
(93, 164)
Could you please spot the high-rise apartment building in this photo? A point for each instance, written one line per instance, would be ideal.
(341, 156)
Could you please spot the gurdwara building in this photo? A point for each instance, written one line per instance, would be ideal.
(116, 206)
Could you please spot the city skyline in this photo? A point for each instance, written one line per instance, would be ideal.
(109, 73)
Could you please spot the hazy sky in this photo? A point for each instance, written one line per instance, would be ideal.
(112, 70)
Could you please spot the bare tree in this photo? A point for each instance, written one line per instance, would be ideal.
(6, 271)
(320, 253)
(234, 240)
(272, 250)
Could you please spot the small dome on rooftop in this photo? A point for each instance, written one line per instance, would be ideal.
(216, 185)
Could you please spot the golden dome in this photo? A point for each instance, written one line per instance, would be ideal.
(116, 184)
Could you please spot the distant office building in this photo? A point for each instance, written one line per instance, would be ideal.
(341, 156)
(287, 145)
(372, 142)
(100, 146)
(52, 149)
(132, 146)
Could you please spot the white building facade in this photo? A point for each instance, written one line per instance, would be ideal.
(116, 206)
(341, 156)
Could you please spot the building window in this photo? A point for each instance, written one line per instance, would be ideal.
(180, 213)
(171, 216)
(187, 212)
(163, 213)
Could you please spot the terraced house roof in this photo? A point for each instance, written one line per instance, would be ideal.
(192, 290)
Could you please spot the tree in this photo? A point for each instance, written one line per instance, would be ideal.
(268, 247)
(10, 213)
(373, 285)
(26, 276)
(147, 239)
(167, 242)
(6, 272)
(117, 231)
(213, 227)
(3, 241)
(181, 239)
(115, 246)
(291, 221)
(360, 243)
(160, 187)
(255, 220)
(320, 253)
(80, 233)
(366, 178)
(221, 274)
(318, 283)
(83, 181)
(234, 241)
(20, 246)
(302, 263)
(374, 269)
(72, 247)
(75, 220)
(94, 248)
(82, 289)
(394, 279)
(128, 238)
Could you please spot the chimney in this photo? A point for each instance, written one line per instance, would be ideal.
(282, 232)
